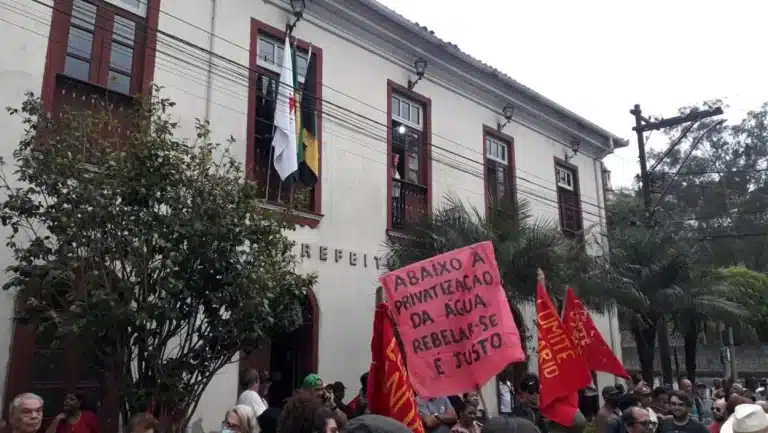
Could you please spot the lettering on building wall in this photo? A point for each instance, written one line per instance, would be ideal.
(338, 255)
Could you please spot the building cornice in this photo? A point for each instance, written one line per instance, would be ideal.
(379, 30)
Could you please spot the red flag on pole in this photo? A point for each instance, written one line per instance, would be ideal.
(597, 353)
(389, 390)
(562, 371)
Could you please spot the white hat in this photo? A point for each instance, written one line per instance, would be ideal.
(746, 418)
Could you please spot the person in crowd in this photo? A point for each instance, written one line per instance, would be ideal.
(508, 424)
(339, 390)
(645, 397)
(748, 418)
(636, 420)
(314, 384)
(370, 423)
(737, 388)
(719, 410)
(467, 418)
(680, 406)
(763, 404)
(705, 404)
(751, 384)
(240, 419)
(506, 393)
(610, 409)
(527, 401)
(250, 396)
(359, 405)
(686, 386)
(474, 397)
(74, 418)
(265, 382)
(143, 423)
(25, 413)
(717, 385)
(589, 403)
(300, 412)
(437, 414)
(734, 401)
(659, 401)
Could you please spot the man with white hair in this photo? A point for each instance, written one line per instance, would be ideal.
(26, 413)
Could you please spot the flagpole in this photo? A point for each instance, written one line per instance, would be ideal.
(270, 167)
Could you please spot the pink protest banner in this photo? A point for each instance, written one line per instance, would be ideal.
(454, 320)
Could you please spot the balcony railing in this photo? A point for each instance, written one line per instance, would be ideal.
(409, 203)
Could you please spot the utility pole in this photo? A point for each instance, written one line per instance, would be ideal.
(644, 175)
(643, 125)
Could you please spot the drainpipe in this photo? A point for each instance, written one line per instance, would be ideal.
(600, 194)
(209, 81)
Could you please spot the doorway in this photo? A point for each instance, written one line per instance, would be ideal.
(288, 356)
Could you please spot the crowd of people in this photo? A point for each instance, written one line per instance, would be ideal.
(723, 408)
(317, 407)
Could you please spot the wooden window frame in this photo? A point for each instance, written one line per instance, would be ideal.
(493, 133)
(145, 47)
(21, 360)
(571, 234)
(311, 217)
(425, 164)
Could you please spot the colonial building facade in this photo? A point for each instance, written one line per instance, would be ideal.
(405, 120)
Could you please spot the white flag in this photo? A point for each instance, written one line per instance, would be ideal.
(284, 141)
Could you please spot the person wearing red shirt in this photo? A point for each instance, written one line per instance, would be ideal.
(718, 414)
(74, 419)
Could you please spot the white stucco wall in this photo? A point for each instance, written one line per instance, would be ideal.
(353, 167)
(22, 60)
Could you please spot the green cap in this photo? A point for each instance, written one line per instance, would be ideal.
(312, 381)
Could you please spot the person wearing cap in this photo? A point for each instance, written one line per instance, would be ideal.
(644, 397)
(527, 401)
(314, 384)
(680, 405)
(609, 412)
(747, 418)
(338, 389)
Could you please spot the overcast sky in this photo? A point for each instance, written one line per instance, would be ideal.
(600, 57)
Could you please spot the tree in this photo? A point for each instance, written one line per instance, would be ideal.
(750, 288)
(152, 252)
(521, 244)
(706, 299)
(721, 193)
(667, 269)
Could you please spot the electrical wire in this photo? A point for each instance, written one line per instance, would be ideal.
(238, 71)
(448, 161)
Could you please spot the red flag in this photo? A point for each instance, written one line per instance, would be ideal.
(597, 353)
(562, 371)
(389, 391)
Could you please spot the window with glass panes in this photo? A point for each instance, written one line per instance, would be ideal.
(407, 138)
(106, 43)
(568, 201)
(497, 172)
(271, 56)
(270, 51)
